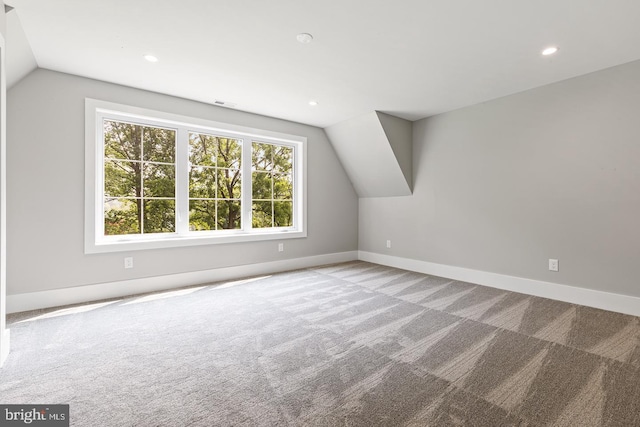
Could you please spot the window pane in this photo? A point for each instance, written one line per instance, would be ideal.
(228, 214)
(159, 216)
(272, 185)
(262, 156)
(202, 183)
(121, 179)
(262, 215)
(159, 180)
(122, 140)
(202, 215)
(283, 159)
(159, 144)
(229, 153)
(282, 187)
(121, 216)
(202, 149)
(229, 185)
(261, 185)
(283, 214)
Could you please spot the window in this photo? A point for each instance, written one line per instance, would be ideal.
(272, 185)
(139, 179)
(156, 180)
(215, 190)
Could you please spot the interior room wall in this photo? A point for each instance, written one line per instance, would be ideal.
(3, 20)
(503, 186)
(46, 190)
(4, 333)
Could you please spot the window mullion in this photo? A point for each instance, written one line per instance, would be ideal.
(247, 146)
(142, 195)
(99, 213)
(182, 181)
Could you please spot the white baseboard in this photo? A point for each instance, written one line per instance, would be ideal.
(582, 296)
(80, 294)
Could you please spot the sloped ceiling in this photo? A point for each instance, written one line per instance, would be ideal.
(375, 150)
(410, 59)
(19, 56)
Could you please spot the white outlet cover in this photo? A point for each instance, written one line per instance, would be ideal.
(553, 264)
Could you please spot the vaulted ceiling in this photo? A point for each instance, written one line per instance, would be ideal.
(408, 58)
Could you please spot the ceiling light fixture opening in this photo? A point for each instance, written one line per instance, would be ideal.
(224, 103)
(313, 103)
(550, 50)
(151, 58)
(304, 38)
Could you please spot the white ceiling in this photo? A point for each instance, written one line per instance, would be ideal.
(409, 58)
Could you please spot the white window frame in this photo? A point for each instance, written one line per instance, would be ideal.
(95, 240)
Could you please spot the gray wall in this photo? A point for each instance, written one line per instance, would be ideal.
(503, 186)
(46, 190)
(398, 132)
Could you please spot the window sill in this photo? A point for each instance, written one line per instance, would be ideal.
(175, 241)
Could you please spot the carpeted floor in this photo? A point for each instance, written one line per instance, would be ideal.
(353, 344)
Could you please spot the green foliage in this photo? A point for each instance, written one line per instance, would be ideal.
(202, 182)
(282, 214)
(214, 182)
(159, 180)
(159, 216)
(159, 145)
(262, 185)
(121, 179)
(272, 185)
(228, 214)
(282, 187)
(262, 214)
(202, 215)
(122, 140)
(121, 217)
(139, 179)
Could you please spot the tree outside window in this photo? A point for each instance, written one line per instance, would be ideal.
(140, 194)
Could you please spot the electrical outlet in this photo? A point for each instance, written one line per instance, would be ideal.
(388, 244)
(280, 247)
(553, 264)
(128, 262)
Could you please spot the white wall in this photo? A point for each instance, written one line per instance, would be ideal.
(375, 150)
(503, 186)
(4, 333)
(46, 190)
(19, 56)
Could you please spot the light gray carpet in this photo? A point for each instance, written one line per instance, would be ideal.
(352, 344)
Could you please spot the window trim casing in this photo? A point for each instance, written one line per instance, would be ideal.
(95, 242)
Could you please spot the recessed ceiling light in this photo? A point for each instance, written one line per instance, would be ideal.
(304, 38)
(313, 103)
(151, 58)
(550, 51)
